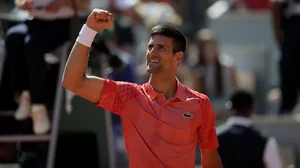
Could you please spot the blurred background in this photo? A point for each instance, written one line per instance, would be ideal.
(231, 44)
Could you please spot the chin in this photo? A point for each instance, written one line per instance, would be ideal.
(150, 71)
(153, 71)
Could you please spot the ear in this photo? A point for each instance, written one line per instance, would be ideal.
(179, 56)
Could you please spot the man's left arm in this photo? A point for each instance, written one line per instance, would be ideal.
(208, 138)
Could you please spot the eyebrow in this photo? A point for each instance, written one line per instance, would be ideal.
(162, 45)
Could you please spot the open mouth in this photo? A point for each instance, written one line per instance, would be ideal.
(153, 62)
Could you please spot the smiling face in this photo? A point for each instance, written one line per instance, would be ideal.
(160, 56)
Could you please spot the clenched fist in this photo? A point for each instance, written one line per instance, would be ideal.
(99, 20)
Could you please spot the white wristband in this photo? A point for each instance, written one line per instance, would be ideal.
(86, 36)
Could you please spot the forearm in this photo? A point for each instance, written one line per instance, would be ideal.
(76, 66)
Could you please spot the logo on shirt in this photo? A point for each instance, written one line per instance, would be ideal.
(187, 115)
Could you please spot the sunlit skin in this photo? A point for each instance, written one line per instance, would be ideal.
(160, 55)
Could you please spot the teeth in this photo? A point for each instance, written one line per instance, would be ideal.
(153, 61)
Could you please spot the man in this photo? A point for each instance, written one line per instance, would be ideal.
(286, 25)
(162, 120)
(240, 144)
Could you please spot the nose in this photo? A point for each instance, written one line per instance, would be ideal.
(151, 52)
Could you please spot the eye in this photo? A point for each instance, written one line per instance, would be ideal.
(150, 47)
(161, 47)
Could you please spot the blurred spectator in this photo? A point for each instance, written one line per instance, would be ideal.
(122, 68)
(125, 16)
(214, 72)
(286, 24)
(241, 145)
(155, 12)
(26, 45)
(185, 75)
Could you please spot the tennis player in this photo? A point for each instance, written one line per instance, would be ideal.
(163, 121)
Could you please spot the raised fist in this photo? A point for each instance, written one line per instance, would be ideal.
(99, 20)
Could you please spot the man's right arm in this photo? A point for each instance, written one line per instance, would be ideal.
(74, 77)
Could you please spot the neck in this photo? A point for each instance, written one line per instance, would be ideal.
(164, 84)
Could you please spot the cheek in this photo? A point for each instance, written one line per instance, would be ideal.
(170, 62)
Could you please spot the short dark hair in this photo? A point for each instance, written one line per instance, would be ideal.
(169, 30)
(241, 101)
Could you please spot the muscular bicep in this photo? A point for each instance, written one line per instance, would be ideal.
(90, 88)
